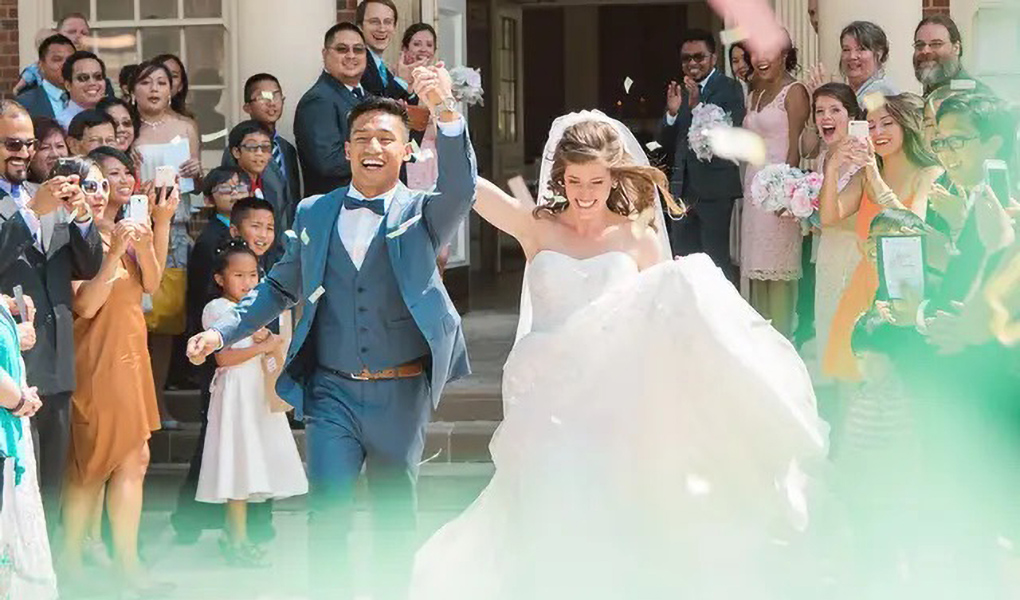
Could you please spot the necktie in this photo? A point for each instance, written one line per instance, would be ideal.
(358, 93)
(384, 73)
(278, 158)
(375, 205)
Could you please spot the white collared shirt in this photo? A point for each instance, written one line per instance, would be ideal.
(359, 226)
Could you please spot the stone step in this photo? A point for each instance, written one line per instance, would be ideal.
(466, 400)
(442, 487)
(445, 442)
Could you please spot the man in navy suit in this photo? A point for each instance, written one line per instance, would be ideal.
(320, 124)
(49, 98)
(378, 20)
(378, 337)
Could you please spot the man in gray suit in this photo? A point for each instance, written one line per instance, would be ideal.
(49, 98)
(378, 338)
(708, 188)
(43, 255)
(320, 124)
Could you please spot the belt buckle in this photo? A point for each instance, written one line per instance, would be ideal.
(362, 376)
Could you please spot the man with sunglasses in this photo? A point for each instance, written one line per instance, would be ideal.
(43, 251)
(85, 81)
(709, 188)
(320, 123)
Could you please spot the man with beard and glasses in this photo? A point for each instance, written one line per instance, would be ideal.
(43, 251)
(937, 53)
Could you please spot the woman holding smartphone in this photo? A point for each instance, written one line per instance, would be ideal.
(114, 405)
(897, 170)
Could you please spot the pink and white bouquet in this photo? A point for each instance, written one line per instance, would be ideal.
(780, 188)
(706, 119)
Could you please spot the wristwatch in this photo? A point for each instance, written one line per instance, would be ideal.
(447, 105)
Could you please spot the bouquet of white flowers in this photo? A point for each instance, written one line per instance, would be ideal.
(781, 188)
(467, 85)
(706, 118)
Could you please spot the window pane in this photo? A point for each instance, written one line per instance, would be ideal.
(115, 10)
(117, 47)
(63, 7)
(206, 106)
(160, 40)
(157, 9)
(203, 9)
(206, 54)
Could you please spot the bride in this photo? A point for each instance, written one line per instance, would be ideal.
(655, 426)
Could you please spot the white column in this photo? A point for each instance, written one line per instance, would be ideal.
(898, 18)
(793, 15)
(284, 42)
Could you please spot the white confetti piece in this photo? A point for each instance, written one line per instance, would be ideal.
(267, 95)
(176, 140)
(290, 233)
(873, 101)
(304, 237)
(732, 36)
(425, 155)
(519, 188)
(698, 486)
(319, 291)
(737, 144)
(627, 83)
(403, 227)
(212, 137)
(653, 146)
(962, 84)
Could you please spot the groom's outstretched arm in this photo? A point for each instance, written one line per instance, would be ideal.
(454, 193)
(277, 292)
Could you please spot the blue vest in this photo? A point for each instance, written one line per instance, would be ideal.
(362, 320)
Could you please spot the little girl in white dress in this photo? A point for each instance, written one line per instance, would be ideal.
(250, 454)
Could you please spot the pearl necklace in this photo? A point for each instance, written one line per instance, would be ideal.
(155, 124)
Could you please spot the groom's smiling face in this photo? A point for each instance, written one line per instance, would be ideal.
(376, 150)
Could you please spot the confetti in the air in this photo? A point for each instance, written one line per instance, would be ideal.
(653, 146)
(873, 101)
(212, 137)
(304, 237)
(290, 233)
(319, 291)
(738, 145)
(627, 83)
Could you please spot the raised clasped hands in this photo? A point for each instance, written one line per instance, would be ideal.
(433, 85)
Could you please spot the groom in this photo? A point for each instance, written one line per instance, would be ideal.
(378, 337)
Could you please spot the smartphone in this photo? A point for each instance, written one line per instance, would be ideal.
(137, 209)
(19, 300)
(859, 130)
(901, 264)
(166, 176)
(997, 178)
(65, 167)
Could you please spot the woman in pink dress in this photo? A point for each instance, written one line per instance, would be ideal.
(770, 252)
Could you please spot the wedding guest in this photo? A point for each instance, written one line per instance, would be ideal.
(264, 102)
(838, 253)
(84, 78)
(89, 130)
(47, 99)
(710, 188)
(250, 144)
(249, 451)
(320, 123)
(178, 83)
(419, 46)
(378, 21)
(938, 54)
(75, 27)
(770, 244)
(124, 80)
(125, 122)
(51, 145)
(115, 407)
(898, 170)
(252, 219)
(740, 64)
(44, 264)
(160, 124)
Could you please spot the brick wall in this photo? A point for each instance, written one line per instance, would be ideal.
(345, 10)
(935, 7)
(8, 46)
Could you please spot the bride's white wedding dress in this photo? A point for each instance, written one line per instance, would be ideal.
(654, 434)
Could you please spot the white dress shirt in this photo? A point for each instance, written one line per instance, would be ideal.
(358, 227)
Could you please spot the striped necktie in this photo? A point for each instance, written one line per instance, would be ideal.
(278, 157)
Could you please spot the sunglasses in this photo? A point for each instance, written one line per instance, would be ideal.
(91, 186)
(15, 144)
(85, 77)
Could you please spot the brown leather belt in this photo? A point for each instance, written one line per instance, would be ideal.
(411, 369)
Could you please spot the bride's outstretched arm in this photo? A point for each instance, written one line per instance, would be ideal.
(510, 214)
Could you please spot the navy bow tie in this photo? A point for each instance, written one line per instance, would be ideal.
(375, 205)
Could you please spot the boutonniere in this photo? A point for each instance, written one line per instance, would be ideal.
(403, 227)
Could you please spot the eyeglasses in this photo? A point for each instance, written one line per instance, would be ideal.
(381, 22)
(357, 49)
(91, 186)
(953, 142)
(15, 144)
(226, 188)
(85, 77)
(686, 58)
(271, 98)
(98, 141)
(267, 148)
(936, 45)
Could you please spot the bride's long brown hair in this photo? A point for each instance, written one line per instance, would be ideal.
(634, 186)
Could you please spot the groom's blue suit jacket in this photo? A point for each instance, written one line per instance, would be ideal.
(417, 224)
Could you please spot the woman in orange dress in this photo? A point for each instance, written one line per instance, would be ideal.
(114, 406)
(898, 170)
